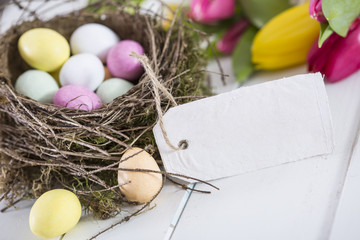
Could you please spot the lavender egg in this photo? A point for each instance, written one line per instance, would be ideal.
(77, 97)
(121, 64)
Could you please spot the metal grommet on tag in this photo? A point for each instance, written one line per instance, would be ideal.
(183, 144)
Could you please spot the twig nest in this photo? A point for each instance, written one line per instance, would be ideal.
(141, 186)
(46, 145)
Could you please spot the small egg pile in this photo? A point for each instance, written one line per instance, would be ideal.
(99, 70)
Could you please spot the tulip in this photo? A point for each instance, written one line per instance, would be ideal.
(228, 43)
(211, 11)
(285, 40)
(315, 10)
(338, 57)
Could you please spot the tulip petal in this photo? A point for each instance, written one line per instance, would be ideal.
(210, 11)
(344, 59)
(337, 58)
(220, 9)
(227, 44)
(315, 10)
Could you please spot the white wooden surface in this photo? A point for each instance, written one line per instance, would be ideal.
(302, 200)
(291, 201)
(345, 225)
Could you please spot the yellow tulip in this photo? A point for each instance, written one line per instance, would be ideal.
(285, 40)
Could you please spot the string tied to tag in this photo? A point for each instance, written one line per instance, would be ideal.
(157, 86)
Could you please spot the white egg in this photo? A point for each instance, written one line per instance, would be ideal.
(37, 85)
(93, 38)
(113, 88)
(83, 69)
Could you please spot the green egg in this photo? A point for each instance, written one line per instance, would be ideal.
(113, 88)
(37, 85)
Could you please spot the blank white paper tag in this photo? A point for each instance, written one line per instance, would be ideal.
(248, 129)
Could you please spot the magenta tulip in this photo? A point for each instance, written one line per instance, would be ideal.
(338, 57)
(316, 12)
(227, 44)
(211, 11)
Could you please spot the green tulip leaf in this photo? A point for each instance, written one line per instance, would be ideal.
(260, 12)
(341, 14)
(242, 65)
(325, 33)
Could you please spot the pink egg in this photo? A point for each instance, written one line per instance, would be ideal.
(77, 97)
(121, 64)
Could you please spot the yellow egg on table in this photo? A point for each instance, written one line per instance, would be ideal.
(54, 213)
(143, 186)
(44, 49)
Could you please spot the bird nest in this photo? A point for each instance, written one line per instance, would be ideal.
(43, 146)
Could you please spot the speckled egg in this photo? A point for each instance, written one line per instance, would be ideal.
(121, 64)
(54, 213)
(93, 38)
(83, 69)
(37, 85)
(77, 97)
(113, 88)
(44, 49)
(143, 186)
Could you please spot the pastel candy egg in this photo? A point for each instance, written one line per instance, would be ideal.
(121, 64)
(44, 49)
(54, 213)
(113, 88)
(84, 69)
(37, 85)
(93, 38)
(77, 97)
(143, 186)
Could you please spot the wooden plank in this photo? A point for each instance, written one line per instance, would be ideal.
(347, 218)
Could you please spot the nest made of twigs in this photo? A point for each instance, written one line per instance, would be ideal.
(43, 146)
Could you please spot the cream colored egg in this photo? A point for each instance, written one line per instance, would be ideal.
(54, 213)
(143, 186)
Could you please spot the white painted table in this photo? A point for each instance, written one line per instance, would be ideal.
(303, 200)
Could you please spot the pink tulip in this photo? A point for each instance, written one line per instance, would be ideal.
(338, 57)
(228, 43)
(316, 12)
(210, 11)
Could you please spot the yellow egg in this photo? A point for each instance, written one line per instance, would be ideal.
(143, 186)
(54, 213)
(44, 49)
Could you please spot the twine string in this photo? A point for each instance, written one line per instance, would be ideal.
(144, 60)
